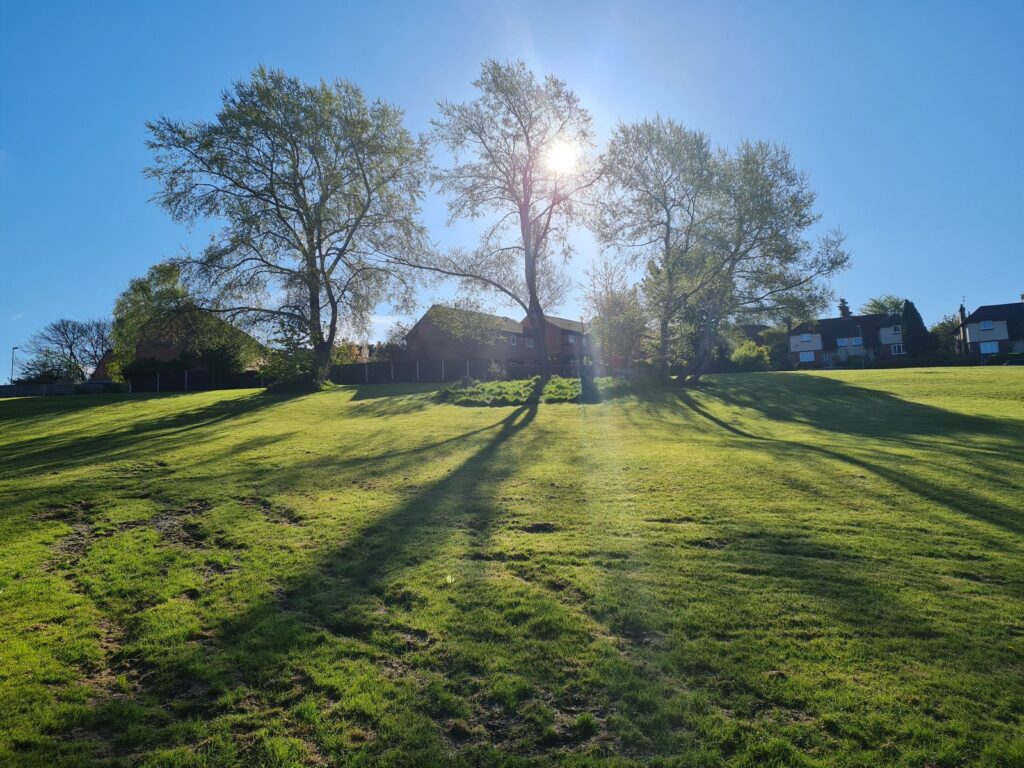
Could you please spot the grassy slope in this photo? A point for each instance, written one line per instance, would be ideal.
(787, 569)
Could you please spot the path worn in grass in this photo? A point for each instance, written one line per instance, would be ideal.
(777, 569)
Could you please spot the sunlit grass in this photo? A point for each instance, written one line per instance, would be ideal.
(775, 569)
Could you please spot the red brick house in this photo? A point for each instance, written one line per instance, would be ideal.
(834, 340)
(449, 333)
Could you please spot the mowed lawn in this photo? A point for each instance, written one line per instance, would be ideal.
(773, 570)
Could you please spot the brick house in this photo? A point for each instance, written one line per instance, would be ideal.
(991, 329)
(449, 333)
(834, 340)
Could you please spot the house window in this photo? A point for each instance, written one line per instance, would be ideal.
(529, 341)
(897, 329)
(512, 339)
(989, 347)
(805, 338)
(857, 341)
(897, 349)
(986, 325)
(572, 338)
(842, 342)
(806, 357)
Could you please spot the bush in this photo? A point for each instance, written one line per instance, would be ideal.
(522, 391)
(751, 356)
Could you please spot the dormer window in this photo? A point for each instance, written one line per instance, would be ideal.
(986, 325)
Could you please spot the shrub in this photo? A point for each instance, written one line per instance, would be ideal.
(751, 356)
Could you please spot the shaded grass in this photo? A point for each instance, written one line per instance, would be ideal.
(775, 569)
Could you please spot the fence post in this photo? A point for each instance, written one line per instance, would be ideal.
(186, 379)
(442, 370)
(158, 382)
(467, 367)
(366, 373)
(392, 371)
(417, 370)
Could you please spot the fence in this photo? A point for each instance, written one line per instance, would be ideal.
(436, 371)
(194, 381)
(45, 390)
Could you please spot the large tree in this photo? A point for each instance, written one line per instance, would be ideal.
(658, 206)
(916, 339)
(318, 189)
(519, 161)
(761, 261)
(66, 350)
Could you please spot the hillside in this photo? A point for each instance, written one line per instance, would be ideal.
(776, 569)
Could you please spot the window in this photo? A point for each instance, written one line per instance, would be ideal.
(512, 339)
(986, 325)
(857, 341)
(989, 347)
(805, 338)
(853, 341)
(897, 349)
(897, 329)
(806, 357)
(572, 338)
(586, 341)
(842, 342)
(529, 341)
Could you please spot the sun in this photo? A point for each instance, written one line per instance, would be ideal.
(561, 157)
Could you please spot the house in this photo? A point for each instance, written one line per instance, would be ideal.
(991, 329)
(567, 340)
(834, 340)
(450, 333)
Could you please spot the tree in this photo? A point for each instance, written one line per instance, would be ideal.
(889, 304)
(618, 321)
(844, 308)
(916, 339)
(761, 263)
(519, 161)
(658, 204)
(158, 294)
(317, 189)
(942, 334)
(66, 351)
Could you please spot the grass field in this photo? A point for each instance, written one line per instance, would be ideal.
(773, 570)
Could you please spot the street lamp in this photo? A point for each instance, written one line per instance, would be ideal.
(12, 364)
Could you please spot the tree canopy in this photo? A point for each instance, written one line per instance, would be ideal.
(66, 351)
(889, 304)
(519, 152)
(317, 189)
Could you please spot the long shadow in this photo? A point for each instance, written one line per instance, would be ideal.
(72, 448)
(889, 422)
(335, 597)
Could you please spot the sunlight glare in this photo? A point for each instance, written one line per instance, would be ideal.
(561, 157)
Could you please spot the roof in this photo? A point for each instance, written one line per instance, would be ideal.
(832, 328)
(1013, 314)
(566, 325)
(498, 322)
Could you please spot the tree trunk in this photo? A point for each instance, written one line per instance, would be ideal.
(663, 349)
(321, 363)
(540, 337)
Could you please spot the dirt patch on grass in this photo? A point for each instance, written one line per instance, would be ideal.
(275, 513)
(539, 528)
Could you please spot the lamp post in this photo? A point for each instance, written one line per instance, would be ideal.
(12, 364)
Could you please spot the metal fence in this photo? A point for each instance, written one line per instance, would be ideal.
(45, 390)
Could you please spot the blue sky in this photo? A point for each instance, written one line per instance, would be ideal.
(907, 118)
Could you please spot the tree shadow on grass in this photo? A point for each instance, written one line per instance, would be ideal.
(883, 423)
(335, 600)
(80, 447)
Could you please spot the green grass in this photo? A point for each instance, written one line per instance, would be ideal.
(772, 570)
(557, 389)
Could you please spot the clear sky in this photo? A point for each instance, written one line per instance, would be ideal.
(906, 116)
